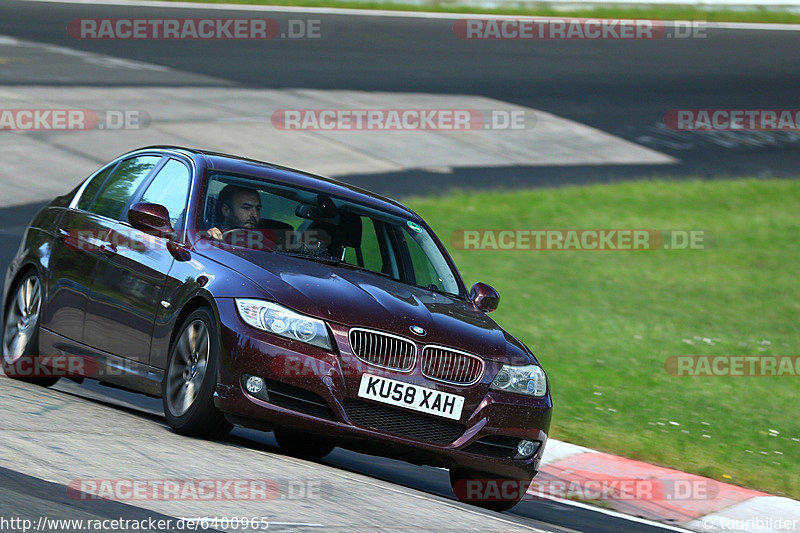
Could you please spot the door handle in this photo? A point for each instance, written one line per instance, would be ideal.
(62, 234)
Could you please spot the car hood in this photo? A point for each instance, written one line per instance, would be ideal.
(357, 298)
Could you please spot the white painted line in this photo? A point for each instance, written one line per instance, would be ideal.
(762, 513)
(615, 514)
(446, 502)
(773, 4)
(422, 496)
(587, 507)
(377, 12)
(759, 26)
(88, 57)
(719, 4)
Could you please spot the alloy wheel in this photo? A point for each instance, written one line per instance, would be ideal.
(22, 318)
(188, 368)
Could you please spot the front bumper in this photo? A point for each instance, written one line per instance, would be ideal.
(329, 404)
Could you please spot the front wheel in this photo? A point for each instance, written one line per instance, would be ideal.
(21, 333)
(188, 385)
(489, 491)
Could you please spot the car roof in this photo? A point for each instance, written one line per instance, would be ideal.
(288, 176)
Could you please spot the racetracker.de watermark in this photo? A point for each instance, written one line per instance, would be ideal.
(47, 366)
(596, 239)
(66, 365)
(200, 490)
(134, 240)
(418, 119)
(138, 525)
(72, 119)
(601, 489)
(193, 29)
(292, 366)
(733, 119)
(525, 28)
(733, 365)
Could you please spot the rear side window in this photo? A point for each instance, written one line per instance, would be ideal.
(170, 188)
(122, 184)
(93, 186)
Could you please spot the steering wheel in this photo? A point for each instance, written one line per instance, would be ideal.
(250, 238)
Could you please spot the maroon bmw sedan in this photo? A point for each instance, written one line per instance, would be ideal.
(244, 293)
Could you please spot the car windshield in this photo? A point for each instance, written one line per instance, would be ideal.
(277, 218)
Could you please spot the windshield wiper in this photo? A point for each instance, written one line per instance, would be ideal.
(434, 288)
(365, 269)
(331, 260)
(311, 256)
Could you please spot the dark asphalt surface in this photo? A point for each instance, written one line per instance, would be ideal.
(534, 513)
(623, 88)
(31, 498)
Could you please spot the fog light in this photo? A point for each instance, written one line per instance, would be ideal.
(526, 448)
(254, 384)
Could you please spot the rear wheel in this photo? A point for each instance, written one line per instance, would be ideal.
(489, 491)
(188, 385)
(304, 444)
(21, 333)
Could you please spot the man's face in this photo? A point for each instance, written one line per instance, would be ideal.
(245, 211)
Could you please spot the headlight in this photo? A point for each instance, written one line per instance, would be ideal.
(274, 318)
(528, 379)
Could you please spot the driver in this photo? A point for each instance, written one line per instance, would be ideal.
(239, 207)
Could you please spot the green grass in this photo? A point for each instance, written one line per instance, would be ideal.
(603, 323)
(665, 12)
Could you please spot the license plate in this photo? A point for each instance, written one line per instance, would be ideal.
(414, 397)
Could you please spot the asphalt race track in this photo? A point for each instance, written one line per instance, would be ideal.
(623, 88)
(610, 95)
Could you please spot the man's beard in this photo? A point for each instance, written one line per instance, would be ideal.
(249, 224)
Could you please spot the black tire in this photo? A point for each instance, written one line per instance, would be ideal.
(488, 491)
(13, 362)
(303, 444)
(194, 414)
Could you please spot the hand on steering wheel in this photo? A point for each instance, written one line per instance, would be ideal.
(216, 233)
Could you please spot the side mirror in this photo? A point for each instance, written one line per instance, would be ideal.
(150, 218)
(484, 297)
